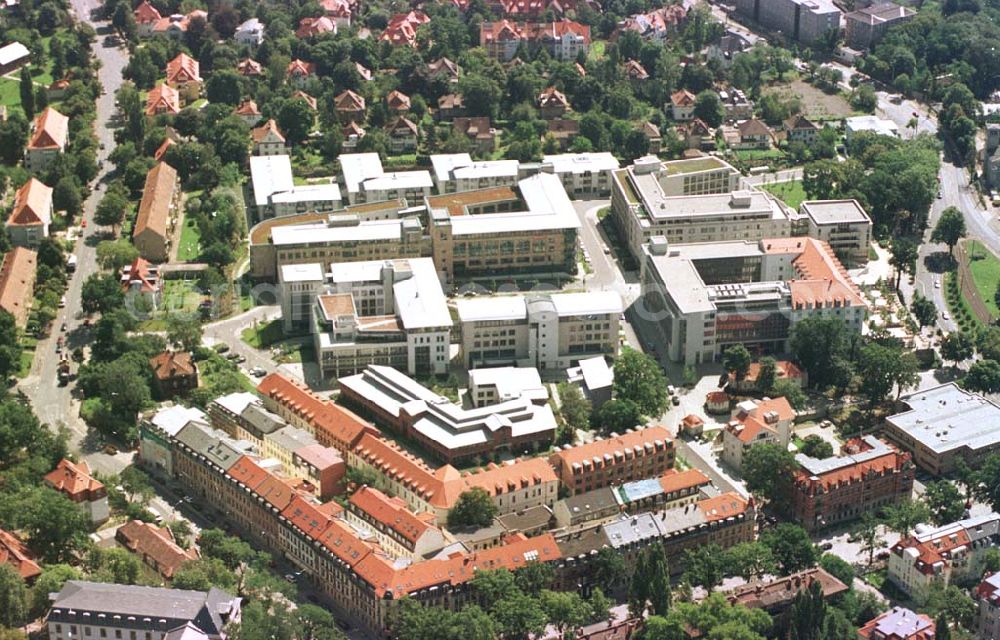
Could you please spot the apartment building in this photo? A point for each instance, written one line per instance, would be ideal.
(988, 607)
(942, 555)
(267, 139)
(499, 384)
(805, 21)
(866, 26)
(563, 40)
(545, 331)
(447, 430)
(75, 481)
(634, 455)
(17, 283)
(899, 623)
(400, 532)
(29, 220)
(706, 297)
(243, 418)
(156, 432)
(458, 172)
(514, 485)
(585, 176)
(366, 181)
(776, 595)
(842, 224)
(390, 312)
(129, 612)
(15, 554)
(154, 223)
(943, 424)
(867, 476)
(275, 193)
(767, 421)
(49, 135)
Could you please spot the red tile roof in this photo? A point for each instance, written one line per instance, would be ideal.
(157, 195)
(309, 27)
(171, 364)
(73, 479)
(17, 282)
(270, 127)
(146, 12)
(682, 98)
(163, 99)
(31, 204)
(300, 68)
(156, 544)
(349, 101)
(50, 130)
(402, 28)
(725, 506)
(552, 97)
(397, 100)
(333, 425)
(139, 275)
(822, 280)
(674, 480)
(247, 108)
(391, 512)
(16, 554)
(640, 438)
(249, 67)
(506, 30)
(183, 69)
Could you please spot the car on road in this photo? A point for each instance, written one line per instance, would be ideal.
(937, 283)
(289, 577)
(945, 316)
(826, 546)
(940, 194)
(676, 400)
(221, 348)
(231, 356)
(83, 223)
(258, 372)
(240, 358)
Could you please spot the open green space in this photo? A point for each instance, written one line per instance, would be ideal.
(791, 193)
(263, 335)
(189, 247)
(958, 307)
(10, 94)
(985, 269)
(179, 296)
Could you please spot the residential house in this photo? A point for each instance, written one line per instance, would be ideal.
(783, 370)
(776, 595)
(403, 135)
(29, 221)
(87, 609)
(151, 235)
(312, 27)
(450, 106)
(653, 136)
(635, 72)
(75, 481)
(692, 426)
(754, 423)
(176, 25)
(634, 455)
(658, 25)
(442, 70)
(728, 46)
(899, 623)
(156, 547)
(299, 72)
(302, 95)
(350, 107)
(248, 112)
(563, 39)
(174, 373)
(564, 131)
(142, 279)
(798, 128)
(163, 100)
(146, 18)
(479, 132)
(340, 11)
(321, 467)
(184, 74)
(696, 134)
(682, 105)
(48, 140)
(363, 71)
(736, 104)
(15, 554)
(552, 103)
(250, 33)
(352, 134)
(13, 56)
(268, 141)
(162, 149)
(17, 283)
(754, 134)
(402, 28)
(58, 89)
(250, 68)
(397, 102)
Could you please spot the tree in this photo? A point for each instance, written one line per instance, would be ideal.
(708, 106)
(957, 346)
(296, 119)
(950, 228)
(651, 582)
(870, 536)
(952, 601)
(136, 485)
(111, 209)
(13, 135)
(533, 577)
(815, 446)
(883, 367)
(945, 502)
(224, 87)
(750, 560)
(13, 597)
(983, 377)
(791, 391)
(616, 416)
(56, 528)
(573, 407)
(818, 342)
(807, 613)
(474, 507)
(66, 196)
(767, 375)
(51, 580)
(10, 347)
(791, 546)
(837, 567)
(608, 569)
(564, 609)
(924, 310)
(101, 292)
(519, 616)
(942, 628)
(27, 90)
(903, 516)
(737, 359)
(114, 255)
(640, 379)
(767, 470)
(703, 566)
(184, 331)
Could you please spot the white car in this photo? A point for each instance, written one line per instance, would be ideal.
(937, 283)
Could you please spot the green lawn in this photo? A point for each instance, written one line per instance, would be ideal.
(179, 296)
(10, 93)
(189, 247)
(596, 50)
(760, 154)
(985, 268)
(263, 335)
(791, 193)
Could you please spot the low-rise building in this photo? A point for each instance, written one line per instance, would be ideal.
(96, 609)
(250, 33)
(585, 176)
(701, 294)
(155, 546)
(951, 553)
(403, 135)
(267, 139)
(798, 128)
(447, 430)
(501, 384)
(736, 104)
(776, 595)
(943, 424)
(768, 421)
(248, 111)
(682, 105)
(322, 467)
(545, 331)
(29, 220)
(899, 623)
(479, 131)
(843, 224)
(382, 311)
(184, 74)
(174, 373)
(154, 222)
(275, 193)
(658, 24)
(17, 283)
(865, 27)
(15, 554)
(311, 27)
(400, 532)
(458, 173)
(163, 100)
(634, 455)
(366, 181)
(141, 279)
(552, 103)
(873, 124)
(867, 476)
(156, 432)
(13, 56)
(299, 73)
(754, 134)
(596, 379)
(49, 135)
(175, 26)
(988, 607)
(402, 28)
(75, 481)
(783, 370)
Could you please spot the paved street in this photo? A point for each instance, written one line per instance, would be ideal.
(53, 403)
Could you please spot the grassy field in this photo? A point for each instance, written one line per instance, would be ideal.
(263, 335)
(189, 247)
(10, 94)
(791, 193)
(816, 104)
(596, 51)
(985, 268)
(179, 296)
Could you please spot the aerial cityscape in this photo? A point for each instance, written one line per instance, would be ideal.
(500, 320)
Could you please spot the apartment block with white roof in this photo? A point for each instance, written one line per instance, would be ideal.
(584, 175)
(366, 181)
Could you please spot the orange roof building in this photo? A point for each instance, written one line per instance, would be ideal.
(15, 553)
(350, 106)
(634, 455)
(249, 68)
(151, 235)
(311, 27)
(775, 596)
(163, 100)
(29, 221)
(299, 72)
(268, 140)
(402, 28)
(563, 39)
(183, 70)
(174, 373)
(155, 545)
(17, 283)
(48, 139)
(767, 421)
(74, 480)
(400, 532)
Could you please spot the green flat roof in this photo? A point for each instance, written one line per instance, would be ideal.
(676, 167)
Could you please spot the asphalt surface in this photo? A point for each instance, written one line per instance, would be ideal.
(53, 402)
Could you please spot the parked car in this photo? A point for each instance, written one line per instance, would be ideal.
(258, 372)
(221, 347)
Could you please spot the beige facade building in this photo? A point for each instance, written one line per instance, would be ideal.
(843, 224)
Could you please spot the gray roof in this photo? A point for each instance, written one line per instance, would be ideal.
(208, 611)
(531, 518)
(592, 501)
(835, 212)
(946, 417)
(214, 445)
(260, 419)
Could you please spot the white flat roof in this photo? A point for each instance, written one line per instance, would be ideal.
(587, 303)
(172, 419)
(582, 162)
(13, 52)
(308, 193)
(596, 373)
(237, 402)
(399, 180)
(269, 175)
(364, 271)
(947, 417)
(358, 167)
(491, 308)
(515, 307)
(420, 302)
(548, 207)
(320, 233)
(872, 123)
(443, 164)
(835, 212)
(311, 272)
(488, 169)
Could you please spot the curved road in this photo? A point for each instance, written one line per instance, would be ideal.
(53, 403)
